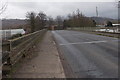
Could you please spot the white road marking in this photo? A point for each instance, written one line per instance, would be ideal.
(87, 42)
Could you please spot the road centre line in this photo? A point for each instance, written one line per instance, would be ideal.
(87, 42)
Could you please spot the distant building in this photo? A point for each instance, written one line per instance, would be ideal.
(100, 25)
(6, 34)
(116, 25)
(56, 27)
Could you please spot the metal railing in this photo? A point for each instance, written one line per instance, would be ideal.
(19, 46)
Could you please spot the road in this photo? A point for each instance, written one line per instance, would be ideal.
(89, 55)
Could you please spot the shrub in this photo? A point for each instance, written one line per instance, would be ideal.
(16, 35)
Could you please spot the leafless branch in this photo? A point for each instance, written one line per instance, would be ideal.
(3, 8)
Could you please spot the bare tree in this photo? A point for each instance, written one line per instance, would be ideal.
(78, 19)
(31, 18)
(42, 17)
(3, 7)
(50, 21)
(59, 20)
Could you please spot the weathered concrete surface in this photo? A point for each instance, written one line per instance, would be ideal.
(46, 64)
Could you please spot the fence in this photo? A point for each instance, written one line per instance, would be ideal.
(6, 34)
(19, 46)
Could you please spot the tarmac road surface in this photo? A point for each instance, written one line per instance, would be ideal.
(89, 55)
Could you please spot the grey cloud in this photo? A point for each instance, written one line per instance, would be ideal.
(106, 9)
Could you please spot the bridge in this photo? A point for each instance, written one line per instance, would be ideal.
(83, 54)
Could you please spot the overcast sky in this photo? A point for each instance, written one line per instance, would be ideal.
(19, 8)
